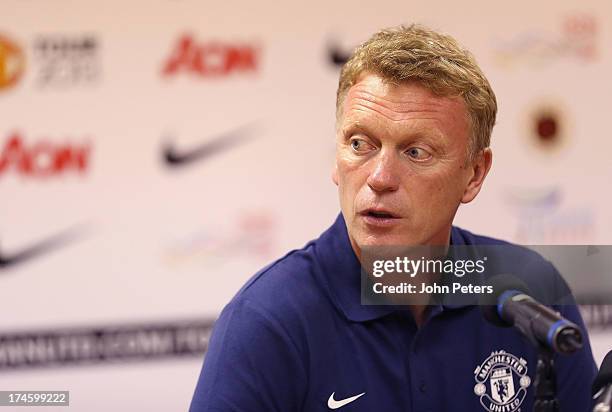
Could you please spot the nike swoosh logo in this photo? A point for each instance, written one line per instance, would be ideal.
(334, 404)
(338, 56)
(36, 249)
(175, 158)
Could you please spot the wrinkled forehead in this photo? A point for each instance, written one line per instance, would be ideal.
(380, 83)
(398, 101)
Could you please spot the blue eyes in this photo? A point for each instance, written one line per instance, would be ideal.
(360, 146)
(356, 144)
(417, 153)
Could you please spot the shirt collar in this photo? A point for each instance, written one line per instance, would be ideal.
(457, 239)
(341, 273)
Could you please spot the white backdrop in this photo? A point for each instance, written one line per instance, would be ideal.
(151, 243)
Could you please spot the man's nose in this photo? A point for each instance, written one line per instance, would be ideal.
(385, 173)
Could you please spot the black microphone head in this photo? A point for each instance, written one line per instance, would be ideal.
(488, 302)
(604, 377)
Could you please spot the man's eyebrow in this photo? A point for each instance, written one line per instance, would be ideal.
(424, 135)
(430, 135)
(355, 127)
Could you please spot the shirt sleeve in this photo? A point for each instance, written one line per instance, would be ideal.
(252, 364)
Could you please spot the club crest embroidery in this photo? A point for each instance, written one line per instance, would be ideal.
(502, 382)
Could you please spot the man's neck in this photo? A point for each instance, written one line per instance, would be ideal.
(419, 313)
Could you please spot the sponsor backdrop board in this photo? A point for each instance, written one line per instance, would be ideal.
(154, 155)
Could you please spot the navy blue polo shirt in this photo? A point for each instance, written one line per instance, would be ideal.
(296, 338)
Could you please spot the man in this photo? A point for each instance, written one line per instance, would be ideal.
(414, 119)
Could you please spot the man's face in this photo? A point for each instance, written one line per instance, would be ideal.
(401, 163)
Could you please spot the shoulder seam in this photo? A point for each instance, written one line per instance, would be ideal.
(266, 269)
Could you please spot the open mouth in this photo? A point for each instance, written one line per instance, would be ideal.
(382, 215)
(379, 214)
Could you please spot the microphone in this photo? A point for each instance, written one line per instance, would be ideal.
(510, 304)
(602, 386)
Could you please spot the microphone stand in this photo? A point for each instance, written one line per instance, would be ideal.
(545, 383)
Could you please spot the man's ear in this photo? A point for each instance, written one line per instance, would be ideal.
(480, 168)
(334, 174)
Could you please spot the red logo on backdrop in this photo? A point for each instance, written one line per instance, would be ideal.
(581, 31)
(211, 59)
(577, 38)
(42, 158)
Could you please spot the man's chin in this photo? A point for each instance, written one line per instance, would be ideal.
(388, 239)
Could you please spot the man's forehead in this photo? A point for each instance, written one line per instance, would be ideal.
(399, 102)
(372, 90)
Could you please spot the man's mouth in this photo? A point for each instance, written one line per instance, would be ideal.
(379, 216)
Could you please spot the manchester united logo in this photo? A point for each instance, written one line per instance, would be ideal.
(502, 382)
(12, 62)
